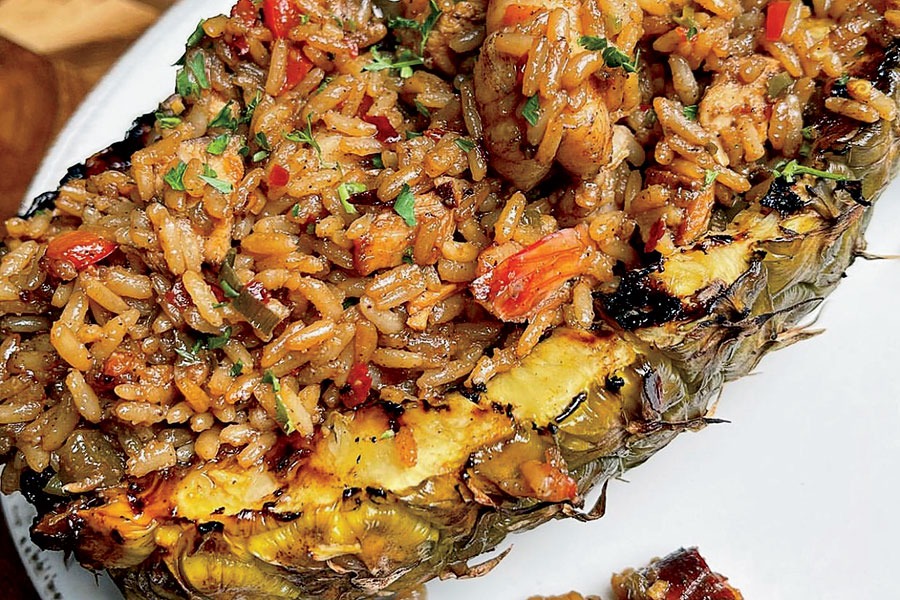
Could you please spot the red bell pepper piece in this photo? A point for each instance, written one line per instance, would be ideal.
(80, 248)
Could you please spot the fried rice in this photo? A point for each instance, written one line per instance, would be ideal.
(349, 203)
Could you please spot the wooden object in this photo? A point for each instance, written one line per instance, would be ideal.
(51, 53)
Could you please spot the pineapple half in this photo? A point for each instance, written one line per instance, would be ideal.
(354, 519)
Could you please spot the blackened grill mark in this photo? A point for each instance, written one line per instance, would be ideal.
(854, 189)
(210, 527)
(613, 384)
(572, 407)
(637, 303)
(782, 197)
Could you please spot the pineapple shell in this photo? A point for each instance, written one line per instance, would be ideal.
(354, 518)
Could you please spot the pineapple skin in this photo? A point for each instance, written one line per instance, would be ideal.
(353, 519)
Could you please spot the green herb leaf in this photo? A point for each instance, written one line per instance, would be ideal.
(403, 23)
(790, 170)
(282, 416)
(710, 177)
(405, 205)
(809, 132)
(185, 85)
(408, 256)
(237, 368)
(686, 20)
(466, 145)
(188, 356)
(175, 177)
(197, 65)
(410, 134)
(219, 341)
(347, 189)
(531, 111)
(388, 434)
(261, 155)
(269, 377)
(422, 109)
(225, 119)
(197, 36)
(305, 136)
(324, 84)
(251, 108)
(690, 112)
(230, 292)
(430, 21)
(612, 56)
(262, 141)
(377, 161)
(167, 121)
(219, 144)
(295, 211)
(210, 177)
(423, 28)
(349, 301)
(403, 63)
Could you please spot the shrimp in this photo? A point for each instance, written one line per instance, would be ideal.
(524, 283)
(535, 92)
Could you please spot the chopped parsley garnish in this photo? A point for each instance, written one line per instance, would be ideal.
(410, 134)
(349, 301)
(263, 142)
(377, 161)
(422, 110)
(175, 177)
(464, 144)
(190, 357)
(218, 145)
(167, 121)
(269, 377)
(185, 85)
(225, 119)
(842, 80)
(531, 111)
(790, 170)
(219, 341)
(212, 178)
(347, 189)
(408, 257)
(197, 66)
(686, 20)
(405, 205)
(424, 28)
(710, 177)
(229, 291)
(612, 56)
(690, 112)
(251, 108)
(388, 434)
(295, 211)
(403, 62)
(809, 132)
(237, 368)
(197, 36)
(305, 136)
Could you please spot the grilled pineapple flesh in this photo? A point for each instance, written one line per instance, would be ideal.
(382, 499)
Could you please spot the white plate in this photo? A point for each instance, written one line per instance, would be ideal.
(795, 498)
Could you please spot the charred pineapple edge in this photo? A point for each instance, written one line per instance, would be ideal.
(357, 520)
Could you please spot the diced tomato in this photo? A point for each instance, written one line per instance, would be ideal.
(297, 68)
(239, 44)
(360, 384)
(407, 449)
(257, 290)
(656, 233)
(516, 14)
(279, 176)
(776, 15)
(80, 248)
(246, 10)
(386, 133)
(178, 296)
(519, 286)
(280, 16)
